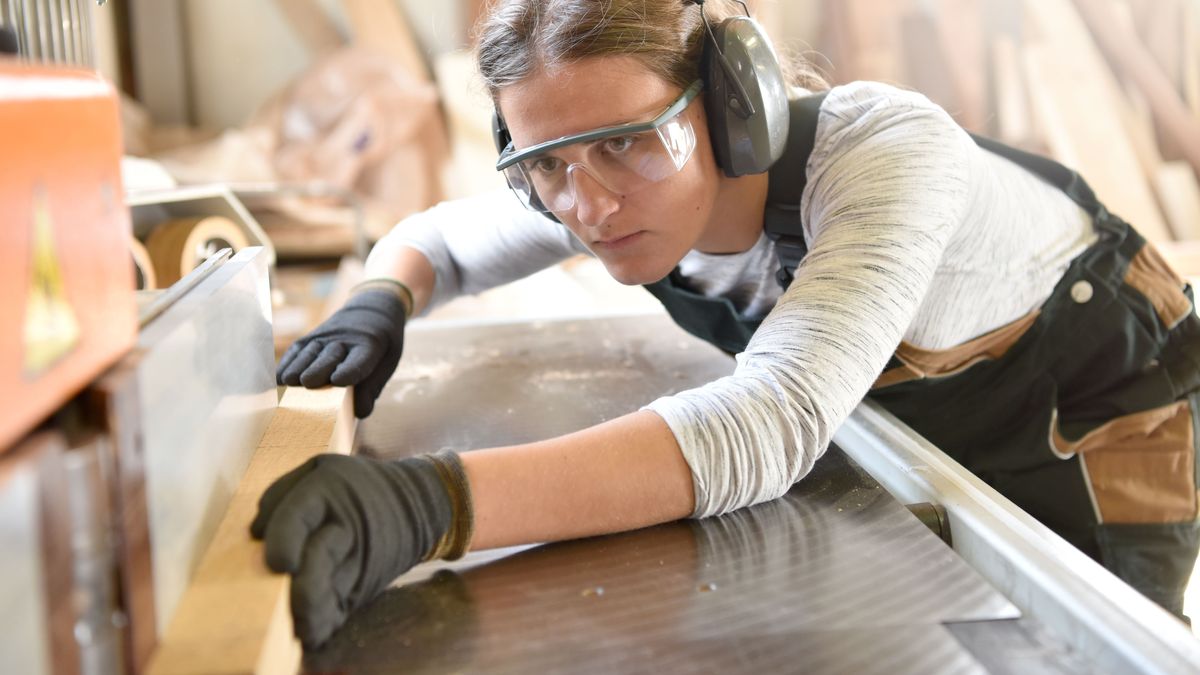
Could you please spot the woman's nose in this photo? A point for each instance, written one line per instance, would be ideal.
(594, 202)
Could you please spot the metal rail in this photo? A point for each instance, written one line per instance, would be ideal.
(1048, 578)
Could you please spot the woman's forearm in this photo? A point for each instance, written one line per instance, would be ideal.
(392, 259)
(620, 475)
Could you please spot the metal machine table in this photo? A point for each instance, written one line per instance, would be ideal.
(837, 576)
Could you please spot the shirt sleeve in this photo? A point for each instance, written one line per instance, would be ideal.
(483, 241)
(886, 190)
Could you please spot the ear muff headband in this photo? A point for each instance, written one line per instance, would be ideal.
(746, 99)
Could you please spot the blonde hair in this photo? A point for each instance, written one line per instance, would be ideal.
(521, 37)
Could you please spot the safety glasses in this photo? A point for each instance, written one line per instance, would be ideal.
(624, 159)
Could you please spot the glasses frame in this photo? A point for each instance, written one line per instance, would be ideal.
(510, 156)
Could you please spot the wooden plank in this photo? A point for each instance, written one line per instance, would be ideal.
(961, 33)
(1184, 258)
(927, 65)
(234, 617)
(1123, 48)
(1079, 108)
(834, 41)
(871, 40)
(1179, 194)
(1160, 25)
(311, 24)
(769, 15)
(1014, 120)
(1138, 116)
(379, 25)
(1191, 57)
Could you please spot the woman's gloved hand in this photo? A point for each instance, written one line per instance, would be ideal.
(359, 345)
(345, 527)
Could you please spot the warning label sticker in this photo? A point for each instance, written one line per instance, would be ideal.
(51, 329)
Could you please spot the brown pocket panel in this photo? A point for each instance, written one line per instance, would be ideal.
(921, 363)
(1150, 274)
(1142, 467)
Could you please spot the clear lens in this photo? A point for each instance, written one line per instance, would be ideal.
(622, 163)
(679, 139)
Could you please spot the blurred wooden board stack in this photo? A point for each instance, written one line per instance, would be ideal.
(1109, 87)
(315, 227)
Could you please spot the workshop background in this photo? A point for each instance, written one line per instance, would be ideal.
(276, 99)
(308, 128)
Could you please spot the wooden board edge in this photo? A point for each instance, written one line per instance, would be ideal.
(234, 616)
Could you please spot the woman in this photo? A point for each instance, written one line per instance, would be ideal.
(982, 295)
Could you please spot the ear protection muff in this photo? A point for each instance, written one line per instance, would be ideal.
(746, 99)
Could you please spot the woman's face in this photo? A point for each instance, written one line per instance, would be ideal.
(639, 236)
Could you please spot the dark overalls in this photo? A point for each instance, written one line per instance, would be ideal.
(1083, 413)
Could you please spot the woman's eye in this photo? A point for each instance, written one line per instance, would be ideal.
(620, 143)
(546, 164)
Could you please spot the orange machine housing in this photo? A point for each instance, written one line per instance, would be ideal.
(66, 278)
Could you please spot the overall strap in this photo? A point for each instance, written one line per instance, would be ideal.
(782, 221)
(786, 181)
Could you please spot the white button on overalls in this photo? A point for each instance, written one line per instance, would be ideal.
(1081, 292)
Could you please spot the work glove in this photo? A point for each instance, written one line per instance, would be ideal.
(359, 345)
(344, 527)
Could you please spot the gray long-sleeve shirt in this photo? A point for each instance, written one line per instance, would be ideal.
(914, 234)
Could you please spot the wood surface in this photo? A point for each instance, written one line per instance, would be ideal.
(1080, 110)
(961, 33)
(1014, 123)
(769, 15)
(311, 24)
(873, 40)
(293, 239)
(1137, 115)
(1135, 63)
(379, 25)
(1191, 57)
(146, 279)
(235, 617)
(1179, 193)
(178, 246)
(927, 62)
(1184, 258)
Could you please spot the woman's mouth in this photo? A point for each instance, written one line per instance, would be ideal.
(619, 242)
